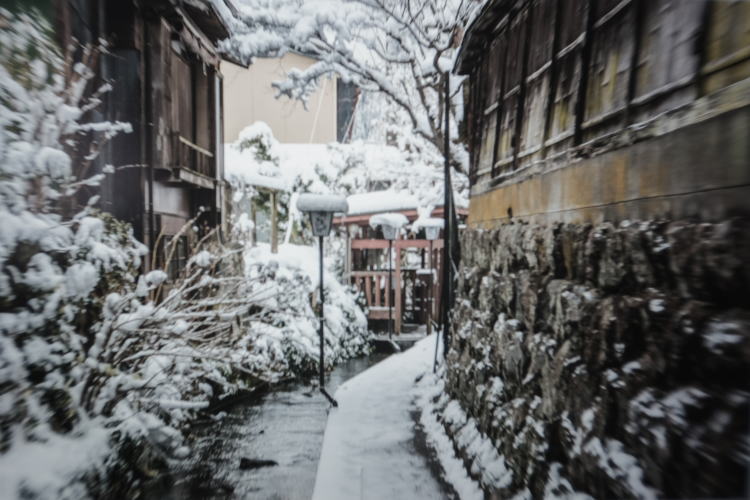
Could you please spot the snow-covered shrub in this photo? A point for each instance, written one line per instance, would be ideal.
(254, 174)
(59, 258)
(289, 335)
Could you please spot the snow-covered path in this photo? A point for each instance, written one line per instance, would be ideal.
(368, 448)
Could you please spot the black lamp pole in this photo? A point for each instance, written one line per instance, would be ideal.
(390, 289)
(431, 305)
(448, 230)
(321, 209)
(322, 326)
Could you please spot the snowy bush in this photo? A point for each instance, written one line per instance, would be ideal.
(59, 259)
(253, 163)
(291, 335)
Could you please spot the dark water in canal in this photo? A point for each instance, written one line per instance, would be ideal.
(285, 425)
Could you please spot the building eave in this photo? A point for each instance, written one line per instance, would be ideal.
(479, 29)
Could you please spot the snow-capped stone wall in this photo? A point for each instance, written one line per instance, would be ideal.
(610, 361)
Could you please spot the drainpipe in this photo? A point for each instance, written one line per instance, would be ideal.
(447, 229)
(147, 134)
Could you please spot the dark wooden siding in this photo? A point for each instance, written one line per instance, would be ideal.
(559, 74)
(612, 48)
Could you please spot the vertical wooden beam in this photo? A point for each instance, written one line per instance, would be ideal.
(553, 79)
(583, 83)
(253, 217)
(387, 291)
(368, 291)
(633, 75)
(522, 91)
(500, 96)
(348, 264)
(274, 222)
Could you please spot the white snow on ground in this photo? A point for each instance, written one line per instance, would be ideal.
(454, 472)
(47, 468)
(368, 445)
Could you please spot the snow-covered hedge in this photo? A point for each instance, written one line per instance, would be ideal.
(291, 337)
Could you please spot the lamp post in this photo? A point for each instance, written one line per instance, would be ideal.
(390, 224)
(432, 229)
(321, 209)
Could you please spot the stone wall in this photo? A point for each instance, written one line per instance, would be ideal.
(606, 360)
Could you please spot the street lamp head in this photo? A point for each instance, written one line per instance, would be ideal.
(389, 223)
(321, 208)
(431, 226)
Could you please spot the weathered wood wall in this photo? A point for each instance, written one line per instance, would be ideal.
(163, 66)
(553, 81)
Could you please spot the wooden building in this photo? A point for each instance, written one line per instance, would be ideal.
(417, 262)
(607, 237)
(163, 64)
(592, 110)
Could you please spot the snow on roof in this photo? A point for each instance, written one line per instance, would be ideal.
(427, 222)
(322, 203)
(243, 166)
(394, 220)
(381, 201)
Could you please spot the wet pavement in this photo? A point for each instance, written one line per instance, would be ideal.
(285, 426)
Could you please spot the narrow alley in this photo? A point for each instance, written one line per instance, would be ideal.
(374, 249)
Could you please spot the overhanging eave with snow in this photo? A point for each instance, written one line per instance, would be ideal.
(363, 206)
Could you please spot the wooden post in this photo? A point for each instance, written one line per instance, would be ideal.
(274, 222)
(348, 269)
(397, 299)
(253, 217)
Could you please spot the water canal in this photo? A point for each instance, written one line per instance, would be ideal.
(284, 426)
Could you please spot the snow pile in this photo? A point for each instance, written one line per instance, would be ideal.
(376, 177)
(256, 160)
(427, 222)
(322, 203)
(480, 467)
(381, 201)
(430, 388)
(393, 220)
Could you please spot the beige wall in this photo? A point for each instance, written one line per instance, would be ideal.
(249, 97)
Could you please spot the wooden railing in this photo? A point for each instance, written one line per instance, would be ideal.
(192, 157)
(374, 286)
(413, 292)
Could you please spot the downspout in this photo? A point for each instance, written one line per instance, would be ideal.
(147, 131)
(447, 228)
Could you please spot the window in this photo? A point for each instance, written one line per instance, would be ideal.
(193, 114)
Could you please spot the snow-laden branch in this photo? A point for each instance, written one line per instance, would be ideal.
(399, 48)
